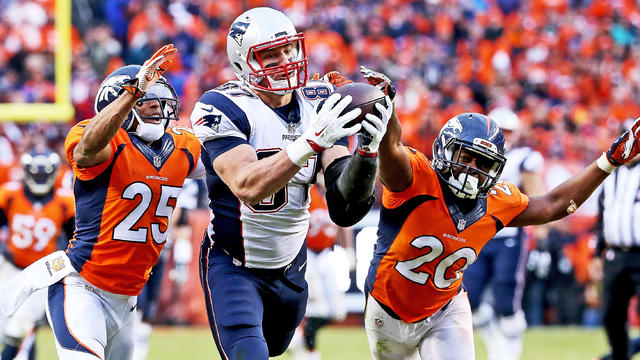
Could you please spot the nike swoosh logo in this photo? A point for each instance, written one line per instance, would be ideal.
(210, 109)
(321, 131)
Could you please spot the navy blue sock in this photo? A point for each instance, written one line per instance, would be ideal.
(9, 352)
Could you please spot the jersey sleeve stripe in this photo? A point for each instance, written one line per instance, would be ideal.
(219, 146)
(192, 163)
(90, 196)
(230, 109)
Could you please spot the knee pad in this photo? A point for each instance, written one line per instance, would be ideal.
(483, 315)
(513, 325)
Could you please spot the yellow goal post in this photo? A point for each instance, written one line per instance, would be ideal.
(62, 109)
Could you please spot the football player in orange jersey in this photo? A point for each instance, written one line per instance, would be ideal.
(129, 168)
(36, 212)
(436, 217)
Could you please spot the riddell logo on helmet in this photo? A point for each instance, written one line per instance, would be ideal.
(486, 144)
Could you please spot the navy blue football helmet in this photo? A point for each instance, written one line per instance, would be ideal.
(161, 91)
(40, 169)
(475, 134)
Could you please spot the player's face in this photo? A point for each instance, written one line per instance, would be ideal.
(150, 111)
(278, 56)
(473, 160)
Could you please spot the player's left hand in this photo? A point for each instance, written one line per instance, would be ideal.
(626, 146)
(333, 77)
(374, 129)
(379, 80)
(151, 70)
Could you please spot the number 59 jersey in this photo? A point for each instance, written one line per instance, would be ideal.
(123, 206)
(425, 241)
(34, 227)
(271, 233)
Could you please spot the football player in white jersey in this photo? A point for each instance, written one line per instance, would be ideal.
(500, 321)
(264, 138)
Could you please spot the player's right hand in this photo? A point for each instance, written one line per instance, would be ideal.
(379, 80)
(326, 127)
(151, 70)
(626, 146)
(333, 77)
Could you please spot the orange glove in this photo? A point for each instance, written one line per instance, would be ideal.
(332, 77)
(151, 70)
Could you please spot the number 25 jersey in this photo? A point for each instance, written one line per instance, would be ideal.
(123, 206)
(425, 242)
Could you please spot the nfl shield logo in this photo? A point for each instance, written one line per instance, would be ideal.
(292, 127)
(378, 322)
(157, 162)
(461, 224)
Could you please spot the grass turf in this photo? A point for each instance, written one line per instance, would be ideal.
(338, 343)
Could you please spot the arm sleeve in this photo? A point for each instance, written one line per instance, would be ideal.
(350, 202)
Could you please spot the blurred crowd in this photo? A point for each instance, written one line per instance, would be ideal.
(569, 68)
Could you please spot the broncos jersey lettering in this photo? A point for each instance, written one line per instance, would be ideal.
(425, 242)
(271, 233)
(322, 231)
(34, 227)
(124, 206)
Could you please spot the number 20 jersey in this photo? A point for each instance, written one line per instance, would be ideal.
(123, 206)
(424, 244)
(269, 234)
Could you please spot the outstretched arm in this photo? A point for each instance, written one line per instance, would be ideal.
(93, 148)
(394, 171)
(568, 196)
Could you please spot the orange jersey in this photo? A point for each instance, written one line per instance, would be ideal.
(322, 231)
(34, 227)
(424, 241)
(124, 206)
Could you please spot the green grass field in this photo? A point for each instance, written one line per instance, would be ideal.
(338, 343)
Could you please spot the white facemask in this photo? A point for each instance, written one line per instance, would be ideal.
(470, 186)
(147, 131)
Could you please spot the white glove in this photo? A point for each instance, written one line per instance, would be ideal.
(151, 70)
(325, 129)
(374, 129)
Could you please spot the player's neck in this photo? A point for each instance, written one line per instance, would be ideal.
(272, 99)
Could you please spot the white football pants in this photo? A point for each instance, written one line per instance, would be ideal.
(446, 335)
(90, 323)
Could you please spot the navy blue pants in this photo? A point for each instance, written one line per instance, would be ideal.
(501, 264)
(253, 313)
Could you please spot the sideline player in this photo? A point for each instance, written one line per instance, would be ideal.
(436, 217)
(36, 212)
(500, 269)
(264, 142)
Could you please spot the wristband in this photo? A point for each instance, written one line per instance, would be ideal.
(604, 164)
(300, 151)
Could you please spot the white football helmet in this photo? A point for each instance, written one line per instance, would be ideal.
(262, 29)
(506, 118)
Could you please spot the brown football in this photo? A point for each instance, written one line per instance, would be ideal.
(365, 97)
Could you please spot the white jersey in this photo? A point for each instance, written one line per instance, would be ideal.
(519, 160)
(271, 233)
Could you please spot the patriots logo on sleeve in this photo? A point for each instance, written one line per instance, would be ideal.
(211, 121)
(238, 29)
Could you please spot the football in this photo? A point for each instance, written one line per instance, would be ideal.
(365, 97)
